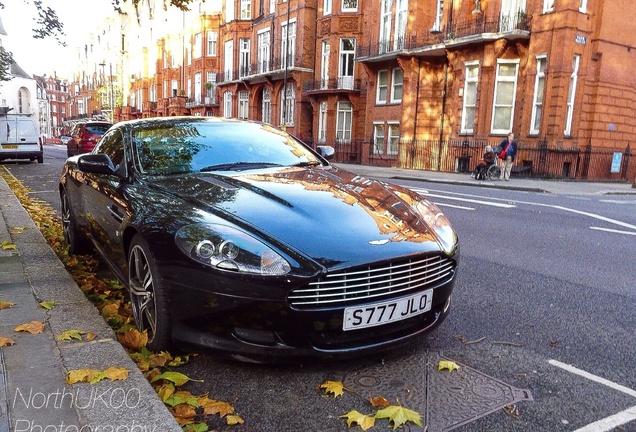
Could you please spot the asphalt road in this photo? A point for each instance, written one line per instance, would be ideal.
(544, 307)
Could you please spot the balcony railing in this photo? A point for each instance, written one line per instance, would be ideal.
(501, 24)
(333, 84)
(274, 65)
(200, 101)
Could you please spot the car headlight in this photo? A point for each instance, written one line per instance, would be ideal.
(227, 248)
(440, 224)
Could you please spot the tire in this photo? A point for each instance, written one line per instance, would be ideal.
(494, 172)
(77, 243)
(148, 296)
(41, 158)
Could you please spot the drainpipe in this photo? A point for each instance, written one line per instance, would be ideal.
(284, 122)
(441, 126)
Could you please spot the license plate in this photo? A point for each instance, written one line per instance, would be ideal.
(9, 146)
(387, 312)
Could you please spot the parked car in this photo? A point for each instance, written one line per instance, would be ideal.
(235, 236)
(19, 138)
(84, 136)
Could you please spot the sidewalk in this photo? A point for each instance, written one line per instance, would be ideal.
(34, 395)
(33, 390)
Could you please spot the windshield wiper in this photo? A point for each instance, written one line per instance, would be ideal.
(238, 166)
(307, 163)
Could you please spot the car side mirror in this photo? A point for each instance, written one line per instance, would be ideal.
(97, 164)
(326, 152)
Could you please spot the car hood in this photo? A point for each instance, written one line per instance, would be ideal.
(331, 216)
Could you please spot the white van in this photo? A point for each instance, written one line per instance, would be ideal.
(19, 138)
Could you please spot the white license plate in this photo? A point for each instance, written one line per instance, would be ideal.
(386, 312)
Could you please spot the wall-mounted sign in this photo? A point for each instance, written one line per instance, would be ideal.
(616, 162)
(580, 39)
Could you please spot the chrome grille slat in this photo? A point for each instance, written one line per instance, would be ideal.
(390, 280)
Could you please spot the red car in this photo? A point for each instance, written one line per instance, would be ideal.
(85, 135)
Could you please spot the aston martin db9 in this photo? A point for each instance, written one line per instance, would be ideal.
(235, 236)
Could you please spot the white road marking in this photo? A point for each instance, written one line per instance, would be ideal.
(454, 206)
(611, 422)
(617, 202)
(613, 231)
(470, 200)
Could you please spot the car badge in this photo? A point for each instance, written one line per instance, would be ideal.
(378, 242)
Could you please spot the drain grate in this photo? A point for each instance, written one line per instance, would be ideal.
(445, 400)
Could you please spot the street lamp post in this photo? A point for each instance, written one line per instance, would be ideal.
(110, 96)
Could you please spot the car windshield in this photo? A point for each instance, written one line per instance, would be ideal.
(200, 146)
(98, 129)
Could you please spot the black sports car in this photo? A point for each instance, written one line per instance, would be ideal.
(236, 236)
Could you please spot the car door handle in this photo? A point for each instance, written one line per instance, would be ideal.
(114, 210)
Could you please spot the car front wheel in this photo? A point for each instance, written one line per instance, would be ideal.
(74, 239)
(148, 297)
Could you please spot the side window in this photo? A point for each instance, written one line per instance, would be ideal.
(112, 145)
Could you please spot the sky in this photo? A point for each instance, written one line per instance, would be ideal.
(37, 56)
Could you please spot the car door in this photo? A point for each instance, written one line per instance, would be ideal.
(104, 203)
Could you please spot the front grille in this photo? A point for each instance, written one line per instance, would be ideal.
(374, 282)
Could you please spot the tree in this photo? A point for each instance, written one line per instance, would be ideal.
(49, 25)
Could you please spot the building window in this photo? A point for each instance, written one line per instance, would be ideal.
(229, 61)
(244, 57)
(382, 87)
(229, 11)
(243, 104)
(394, 138)
(324, 65)
(152, 96)
(189, 88)
(470, 97)
(401, 18)
(505, 94)
(322, 122)
(166, 89)
(196, 49)
(397, 83)
(326, 7)
(263, 51)
(569, 114)
(347, 61)
(583, 6)
(511, 12)
(246, 9)
(212, 39)
(537, 100)
(385, 26)
(343, 122)
(378, 138)
(198, 87)
(227, 104)
(349, 5)
(211, 92)
(175, 88)
(548, 6)
(288, 41)
(267, 106)
(288, 99)
(439, 13)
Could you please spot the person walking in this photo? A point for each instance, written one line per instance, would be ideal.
(507, 152)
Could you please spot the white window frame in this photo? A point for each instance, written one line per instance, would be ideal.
(174, 85)
(344, 121)
(471, 83)
(322, 122)
(397, 83)
(211, 78)
(264, 46)
(439, 14)
(246, 9)
(229, 11)
(227, 104)
(266, 106)
(213, 37)
(196, 49)
(288, 102)
(548, 6)
(569, 108)
(198, 87)
(272, 6)
(346, 66)
(385, 25)
(244, 57)
(379, 138)
(583, 6)
(228, 65)
(509, 13)
(537, 99)
(347, 6)
(327, 7)
(324, 64)
(243, 104)
(382, 87)
(288, 36)
(393, 139)
(189, 88)
(498, 104)
(401, 20)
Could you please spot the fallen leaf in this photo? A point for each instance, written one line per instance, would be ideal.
(90, 336)
(133, 338)
(70, 334)
(81, 375)
(212, 407)
(196, 427)
(177, 378)
(184, 411)
(399, 415)
(447, 364)
(5, 341)
(232, 420)
(182, 397)
(5, 305)
(7, 245)
(334, 387)
(34, 327)
(116, 373)
(48, 305)
(364, 421)
(379, 401)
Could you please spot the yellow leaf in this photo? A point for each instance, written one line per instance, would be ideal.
(81, 375)
(5, 341)
(177, 378)
(110, 310)
(116, 373)
(334, 387)
(362, 420)
(6, 245)
(34, 327)
(70, 334)
(399, 415)
(232, 420)
(212, 407)
(447, 364)
(184, 411)
(379, 401)
(48, 305)
(165, 391)
(133, 338)
(5, 305)
(90, 336)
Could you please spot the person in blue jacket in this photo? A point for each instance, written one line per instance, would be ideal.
(507, 152)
